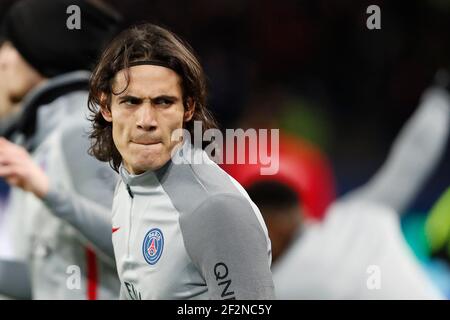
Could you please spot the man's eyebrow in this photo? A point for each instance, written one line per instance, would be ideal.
(166, 96)
(128, 96)
(162, 96)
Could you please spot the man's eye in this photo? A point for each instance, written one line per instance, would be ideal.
(130, 102)
(163, 102)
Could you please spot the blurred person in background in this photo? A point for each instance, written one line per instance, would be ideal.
(304, 183)
(360, 234)
(59, 192)
(8, 114)
(8, 109)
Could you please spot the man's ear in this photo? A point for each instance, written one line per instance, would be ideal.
(189, 110)
(106, 112)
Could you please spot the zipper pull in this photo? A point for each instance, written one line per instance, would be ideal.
(129, 191)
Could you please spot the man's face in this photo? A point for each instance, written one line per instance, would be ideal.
(145, 116)
(17, 76)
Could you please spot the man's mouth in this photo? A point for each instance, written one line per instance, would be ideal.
(145, 142)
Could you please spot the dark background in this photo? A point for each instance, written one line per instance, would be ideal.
(314, 69)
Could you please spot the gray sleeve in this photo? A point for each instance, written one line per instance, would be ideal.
(413, 156)
(227, 244)
(87, 203)
(91, 219)
(14, 280)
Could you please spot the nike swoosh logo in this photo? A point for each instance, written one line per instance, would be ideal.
(115, 229)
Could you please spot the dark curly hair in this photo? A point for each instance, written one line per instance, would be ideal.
(138, 43)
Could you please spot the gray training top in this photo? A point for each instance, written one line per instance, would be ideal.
(189, 231)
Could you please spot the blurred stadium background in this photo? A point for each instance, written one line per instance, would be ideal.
(313, 69)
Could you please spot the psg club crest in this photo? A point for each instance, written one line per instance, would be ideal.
(153, 246)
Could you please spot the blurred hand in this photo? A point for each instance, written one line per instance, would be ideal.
(18, 169)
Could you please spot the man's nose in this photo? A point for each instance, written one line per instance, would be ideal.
(2, 57)
(6, 54)
(146, 117)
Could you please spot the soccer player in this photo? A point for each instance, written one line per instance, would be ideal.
(181, 229)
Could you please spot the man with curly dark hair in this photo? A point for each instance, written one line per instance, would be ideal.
(181, 229)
